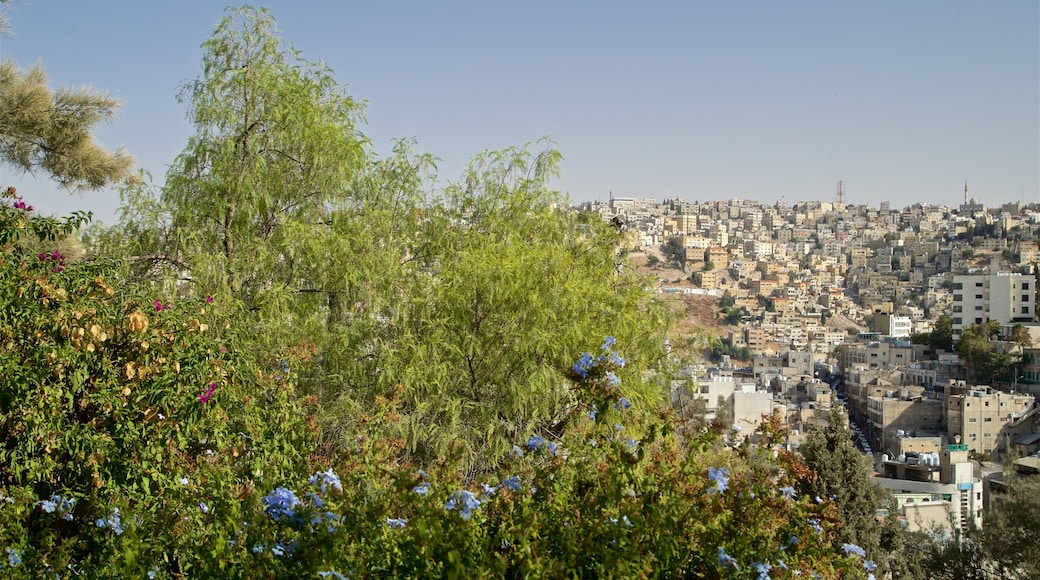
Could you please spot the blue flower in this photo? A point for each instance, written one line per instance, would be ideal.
(326, 478)
(788, 492)
(517, 452)
(616, 360)
(464, 501)
(422, 488)
(536, 442)
(854, 550)
(583, 366)
(869, 566)
(612, 379)
(591, 413)
(396, 523)
(489, 490)
(721, 479)
(203, 507)
(423, 474)
(815, 523)
(332, 574)
(60, 504)
(727, 561)
(152, 573)
(512, 483)
(280, 503)
(280, 549)
(259, 549)
(608, 343)
(623, 404)
(632, 444)
(763, 570)
(112, 522)
(14, 557)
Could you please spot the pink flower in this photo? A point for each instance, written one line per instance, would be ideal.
(205, 397)
(159, 306)
(209, 299)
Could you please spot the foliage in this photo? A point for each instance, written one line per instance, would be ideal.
(842, 474)
(50, 130)
(114, 396)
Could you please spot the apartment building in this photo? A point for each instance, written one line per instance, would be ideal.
(978, 415)
(1005, 297)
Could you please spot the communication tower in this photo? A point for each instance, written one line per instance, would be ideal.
(840, 195)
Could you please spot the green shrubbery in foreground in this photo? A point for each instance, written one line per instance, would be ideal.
(139, 440)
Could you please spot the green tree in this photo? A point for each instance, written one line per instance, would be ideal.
(275, 145)
(50, 130)
(510, 282)
(843, 476)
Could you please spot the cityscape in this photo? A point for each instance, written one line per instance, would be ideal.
(822, 298)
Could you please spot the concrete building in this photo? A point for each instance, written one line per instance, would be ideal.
(978, 416)
(899, 411)
(947, 479)
(1005, 297)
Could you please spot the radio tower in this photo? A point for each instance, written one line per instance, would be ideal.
(841, 192)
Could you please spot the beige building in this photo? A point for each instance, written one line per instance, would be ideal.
(978, 416)
(899, 411)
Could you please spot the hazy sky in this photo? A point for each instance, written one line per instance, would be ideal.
(904, 101)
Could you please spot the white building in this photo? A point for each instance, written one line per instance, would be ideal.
(1005, 297)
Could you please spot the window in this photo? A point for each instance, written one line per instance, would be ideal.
(958, 320)
(1025, 298)
(972, 420)
(1025, 310)
(987, 403)
(979, 307)
(958, 298)
(978, 296)
(1025, 285)
(958, 308)
(988, 419)
(978, 321)
(978, 284)
(958, 285)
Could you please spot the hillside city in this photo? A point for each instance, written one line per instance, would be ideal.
(920, 321)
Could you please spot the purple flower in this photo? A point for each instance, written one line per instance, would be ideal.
(623, 404)
(205, 397)
(608, 343)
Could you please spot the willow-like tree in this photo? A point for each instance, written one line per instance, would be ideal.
(513, 285)
(276, 142)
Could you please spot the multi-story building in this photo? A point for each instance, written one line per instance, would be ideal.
(978, 415)
(935, 489)
(1005, 297)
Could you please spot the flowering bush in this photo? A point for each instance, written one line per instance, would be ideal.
(139, 441)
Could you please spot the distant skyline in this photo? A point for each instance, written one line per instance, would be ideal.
(903, 101)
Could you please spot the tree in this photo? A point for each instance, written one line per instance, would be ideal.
(509, 284)
(50, 131)
(275, 145)
(843, 476)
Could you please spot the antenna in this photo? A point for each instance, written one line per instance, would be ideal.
(840, 195)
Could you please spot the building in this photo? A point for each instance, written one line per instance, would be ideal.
(945, 479)
(1005, 297)
(979, 416)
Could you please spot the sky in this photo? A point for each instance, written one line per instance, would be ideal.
(902, 101)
